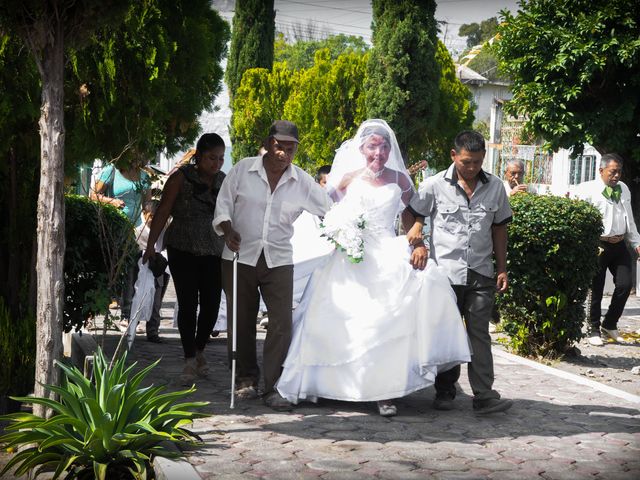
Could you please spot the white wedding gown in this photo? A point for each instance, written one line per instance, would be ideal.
(374, 330)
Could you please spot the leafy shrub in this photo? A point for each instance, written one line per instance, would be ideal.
(17, 356)
(553, 248)
(106, 428)
(100, 247)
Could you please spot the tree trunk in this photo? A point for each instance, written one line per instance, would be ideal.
(50, 235)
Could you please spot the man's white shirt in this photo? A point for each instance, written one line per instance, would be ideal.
(264, 219)
(617, 217)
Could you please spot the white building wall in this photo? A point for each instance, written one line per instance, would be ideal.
(484, 95)
(561, 180)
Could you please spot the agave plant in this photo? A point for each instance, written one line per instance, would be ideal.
(110, 425)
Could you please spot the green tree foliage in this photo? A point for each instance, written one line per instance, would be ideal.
(19, 183)
(101, 245)
(478, 33)
(251, 40)
(553, 247)
(403, 74)
(328, 106)
(301, 54)
(575, 67)
(32, 75)
(47, 28)
(139, 88)
(486, 64)
(455, 112)
(260, 100)
(326, 102)
(19, 171)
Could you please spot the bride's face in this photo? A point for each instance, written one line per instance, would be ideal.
(376, 151)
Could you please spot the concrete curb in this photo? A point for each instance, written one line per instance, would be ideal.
(82, 345)
(167, 469)
(568, 376)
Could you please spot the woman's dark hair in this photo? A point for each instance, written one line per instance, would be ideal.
(206, 143)
(469, 140)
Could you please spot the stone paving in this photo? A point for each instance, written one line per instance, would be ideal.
(557, 429)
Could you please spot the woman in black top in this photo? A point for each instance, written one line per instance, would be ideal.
(193, 248)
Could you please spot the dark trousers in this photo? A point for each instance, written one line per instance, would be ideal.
(276, 286)
(615, 258)
(197, 279)
(161, 284)
(475, 303)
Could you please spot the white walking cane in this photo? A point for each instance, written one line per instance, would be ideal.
(234, 327)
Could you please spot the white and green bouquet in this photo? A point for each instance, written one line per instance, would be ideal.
(343, 225)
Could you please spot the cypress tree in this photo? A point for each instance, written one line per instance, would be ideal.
(403, 74)
(252, 38)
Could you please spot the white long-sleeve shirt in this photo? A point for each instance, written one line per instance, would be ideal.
(617, 217)
(264, 219)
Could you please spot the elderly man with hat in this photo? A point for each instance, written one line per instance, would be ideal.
(258, 202)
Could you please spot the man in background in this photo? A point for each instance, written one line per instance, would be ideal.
(613, 199)
(514, 177)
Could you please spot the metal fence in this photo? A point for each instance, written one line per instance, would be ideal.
(538, 162)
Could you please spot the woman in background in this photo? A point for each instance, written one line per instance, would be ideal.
(127, 189)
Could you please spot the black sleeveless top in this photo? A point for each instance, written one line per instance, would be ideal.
(191, 229)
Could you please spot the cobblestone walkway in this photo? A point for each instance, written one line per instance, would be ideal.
(558, 428)
(561, 426)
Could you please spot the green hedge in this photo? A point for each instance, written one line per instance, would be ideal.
(100, 246)
(553, 248)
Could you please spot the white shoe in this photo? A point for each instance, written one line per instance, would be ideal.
(387, 409)
(612, 334)
(264, 323)
(596, 341)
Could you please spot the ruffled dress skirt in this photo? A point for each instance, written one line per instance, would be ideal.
(373, 330)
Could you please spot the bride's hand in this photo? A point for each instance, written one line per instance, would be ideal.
(419, 256)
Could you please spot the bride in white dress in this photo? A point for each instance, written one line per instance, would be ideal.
(378, 329)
